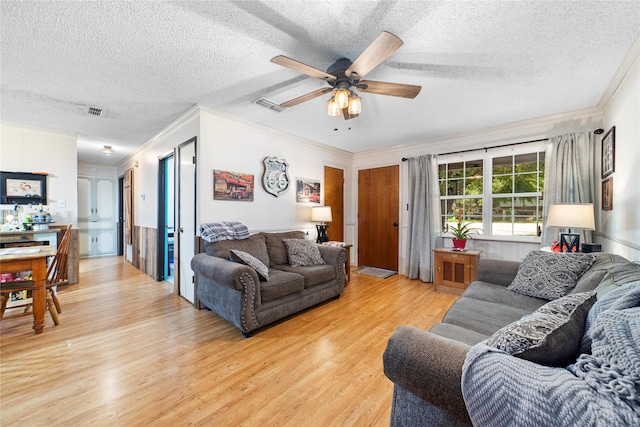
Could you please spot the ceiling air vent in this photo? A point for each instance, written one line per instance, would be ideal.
(266, 103)
(94, 111)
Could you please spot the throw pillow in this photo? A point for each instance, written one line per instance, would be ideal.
(550, 275)
(253, 262)
(549, 336)
(302, 252)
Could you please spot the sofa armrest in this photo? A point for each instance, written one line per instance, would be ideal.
(223, 271)
(336, 257)
(429, 366)
(497, 271)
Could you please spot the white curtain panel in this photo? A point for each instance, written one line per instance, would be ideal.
(568, 177)
(424, 216)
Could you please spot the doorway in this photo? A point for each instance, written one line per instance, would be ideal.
(378, 217)
(334, 197)
(166, 217)
(186, 218)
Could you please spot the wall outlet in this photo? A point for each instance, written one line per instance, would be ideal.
(62, 203)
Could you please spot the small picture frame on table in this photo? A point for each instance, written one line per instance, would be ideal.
(608, 160)
(607, 194)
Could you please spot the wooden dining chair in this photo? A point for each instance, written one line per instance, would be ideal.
(57, 275)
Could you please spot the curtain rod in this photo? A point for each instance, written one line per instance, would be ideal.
(404, 159)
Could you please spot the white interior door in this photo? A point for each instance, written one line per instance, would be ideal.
(186, 224)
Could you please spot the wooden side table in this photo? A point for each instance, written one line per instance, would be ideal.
(454, 270)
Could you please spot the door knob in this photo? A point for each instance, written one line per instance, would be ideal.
(395, 224)
(181, 230)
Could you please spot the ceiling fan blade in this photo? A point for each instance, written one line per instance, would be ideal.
(378, 51)
(302, 68)
(391, 89)
(346, 115)
(307, 97)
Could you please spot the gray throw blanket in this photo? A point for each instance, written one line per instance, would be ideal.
(600, 389)
(226, 230)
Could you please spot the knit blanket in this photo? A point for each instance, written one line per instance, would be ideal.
(600, 389)
(226, 230)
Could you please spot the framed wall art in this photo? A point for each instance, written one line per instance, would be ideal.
(307, 190)
(229, 185)
(23, 188)
(608, 161)
(607, 194)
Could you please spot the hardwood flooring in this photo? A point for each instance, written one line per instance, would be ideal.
(128, 352)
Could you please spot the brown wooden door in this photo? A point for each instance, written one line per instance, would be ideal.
(378, 207)
(334, 197)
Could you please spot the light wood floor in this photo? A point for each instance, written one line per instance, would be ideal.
(130, 353)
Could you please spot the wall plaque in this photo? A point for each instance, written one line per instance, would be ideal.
(275, 176)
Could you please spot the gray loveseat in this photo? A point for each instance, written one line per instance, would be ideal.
(431, 371)
(236, 292)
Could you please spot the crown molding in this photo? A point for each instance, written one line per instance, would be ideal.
(621, 75)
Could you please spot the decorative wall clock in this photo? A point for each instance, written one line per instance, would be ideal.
(275, 176)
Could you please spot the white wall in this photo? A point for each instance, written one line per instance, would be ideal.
(24, 149)
(230, 144)
(145, 174)
(619, 228)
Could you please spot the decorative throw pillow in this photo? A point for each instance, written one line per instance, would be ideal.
(302, 252)
(549, 336)
(253, 262)
(550, 275)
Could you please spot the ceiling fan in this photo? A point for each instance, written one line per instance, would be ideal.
(344, 75)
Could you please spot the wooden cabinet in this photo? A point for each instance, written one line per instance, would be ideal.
(97, 211)
(454, 270)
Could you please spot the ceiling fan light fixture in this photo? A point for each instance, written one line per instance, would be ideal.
(332, 108)
(341, 96)
(355, 104)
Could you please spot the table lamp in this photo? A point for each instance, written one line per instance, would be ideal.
(321, 214)
(576, 215)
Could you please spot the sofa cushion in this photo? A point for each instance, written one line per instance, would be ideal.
(253, 262)
(483, 317)
(617, 276)
(302, 252)
(549, 336)
(457, 333)
(275, 245)
(313, 274)
(254, 245)
(280, 284)
(550, 275)
(501, 295)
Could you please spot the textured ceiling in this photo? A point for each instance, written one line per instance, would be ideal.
(480, 64)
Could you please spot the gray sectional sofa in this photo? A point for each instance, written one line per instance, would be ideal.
(435, 373)
(237, 292)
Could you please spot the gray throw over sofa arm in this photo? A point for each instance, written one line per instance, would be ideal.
(428, 366)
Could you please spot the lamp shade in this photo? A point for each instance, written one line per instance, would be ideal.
(341, 96)
(321, 214)
(577, 215)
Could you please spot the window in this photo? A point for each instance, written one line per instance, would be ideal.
(499, 194)
(461, 190)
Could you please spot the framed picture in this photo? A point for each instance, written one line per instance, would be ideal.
(607, 194)
(608, 162)
(23, 188)
(307, 190)
(229, 185)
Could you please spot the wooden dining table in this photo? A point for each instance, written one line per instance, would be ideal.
(17, 260)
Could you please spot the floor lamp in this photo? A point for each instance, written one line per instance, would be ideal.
(577, 215)
(321, 214)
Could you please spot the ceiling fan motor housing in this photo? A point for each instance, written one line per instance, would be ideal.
(338, 69)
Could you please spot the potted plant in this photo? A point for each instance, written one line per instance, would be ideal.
(461, 231)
